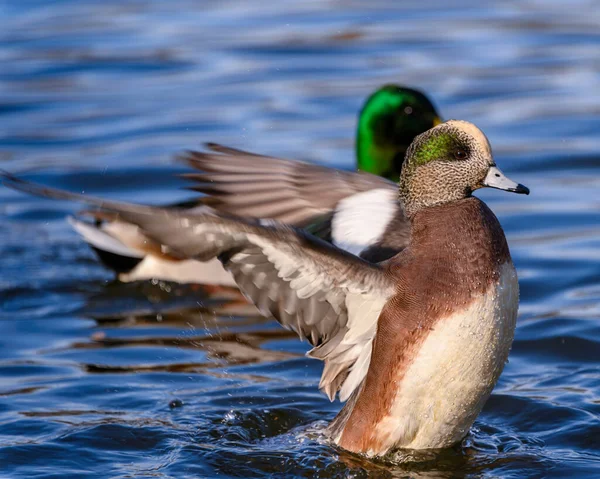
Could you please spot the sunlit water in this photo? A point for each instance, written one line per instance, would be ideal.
(151, 380)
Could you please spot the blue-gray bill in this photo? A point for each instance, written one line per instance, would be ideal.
(496, 179)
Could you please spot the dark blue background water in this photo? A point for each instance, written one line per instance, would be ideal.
(150, 380)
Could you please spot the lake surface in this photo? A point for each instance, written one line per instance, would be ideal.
(100, 379)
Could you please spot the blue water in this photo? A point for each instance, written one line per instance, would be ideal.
(99, 379)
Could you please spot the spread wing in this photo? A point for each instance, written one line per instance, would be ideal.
(326, 295)
(256, 186)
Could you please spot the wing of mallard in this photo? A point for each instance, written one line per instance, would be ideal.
(255, 186)
(326, 295)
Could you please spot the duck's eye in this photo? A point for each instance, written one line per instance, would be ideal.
(408, 110)
(460, 154)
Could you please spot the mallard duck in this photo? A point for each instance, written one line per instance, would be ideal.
(388, 122)
(414, 344)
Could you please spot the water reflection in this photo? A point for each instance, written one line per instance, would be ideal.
(231, 326)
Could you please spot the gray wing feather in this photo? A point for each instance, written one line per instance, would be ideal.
(307, 284)
(257, 186)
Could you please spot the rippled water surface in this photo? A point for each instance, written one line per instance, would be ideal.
(100, 379)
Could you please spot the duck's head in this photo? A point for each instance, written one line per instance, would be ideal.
(447, 163)
(388, 123)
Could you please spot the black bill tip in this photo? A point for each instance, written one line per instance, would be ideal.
(521, 189)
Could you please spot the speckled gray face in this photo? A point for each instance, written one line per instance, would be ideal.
(448, 163)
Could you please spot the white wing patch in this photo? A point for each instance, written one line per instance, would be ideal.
(360, 220)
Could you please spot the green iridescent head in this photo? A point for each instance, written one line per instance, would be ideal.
(389, 121)
(448, 163)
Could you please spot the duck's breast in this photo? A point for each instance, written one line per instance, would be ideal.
(453, 372)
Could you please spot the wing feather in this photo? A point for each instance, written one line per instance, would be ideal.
(326, 295)
(258, 186)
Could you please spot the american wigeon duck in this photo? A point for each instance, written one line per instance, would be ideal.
(414, 344)
(388, 122)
